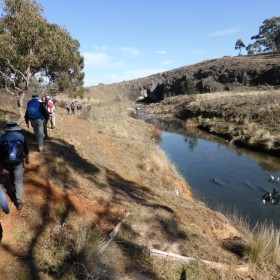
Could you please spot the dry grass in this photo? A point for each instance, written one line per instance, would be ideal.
(158, 162)
(239, 221)
(248, 118)
(263, 245)
(116, 145)
(89, 240)
(156, 134)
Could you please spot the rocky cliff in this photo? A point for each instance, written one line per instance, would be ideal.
(222, 74)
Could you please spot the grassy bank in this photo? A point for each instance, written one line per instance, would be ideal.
(250, 119)
(103, 195)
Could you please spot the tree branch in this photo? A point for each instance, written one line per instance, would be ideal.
(16, 70)
(158, 253)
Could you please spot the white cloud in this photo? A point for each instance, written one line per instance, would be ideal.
(162, 52)
(223, 32)
(130, 51)
(132, 74)
(95, 58)
(115, 64)
(166, 62)
(90, 80)
(100, 48)
(93, 79)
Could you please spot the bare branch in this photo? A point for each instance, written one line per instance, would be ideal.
(16, 70)
(11, 80)
(7, 77)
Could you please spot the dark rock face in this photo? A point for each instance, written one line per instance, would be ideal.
(227, 73)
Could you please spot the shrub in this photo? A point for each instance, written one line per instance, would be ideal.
(263, 245)
(190, 87)
(156, 134)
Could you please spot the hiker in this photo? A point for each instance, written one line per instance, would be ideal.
(13, 151)
(67, 107)
(73, 107)
(44, 102)
(51, 109)
(55, 103)
(37, 114)
(79, 108)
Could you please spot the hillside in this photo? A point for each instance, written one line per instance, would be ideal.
(95, 173)
(236, 98)
(239, 73)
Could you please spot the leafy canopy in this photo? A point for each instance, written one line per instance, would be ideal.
(29, 46)
(269, 35)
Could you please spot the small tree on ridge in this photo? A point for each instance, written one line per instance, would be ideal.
(239, 45)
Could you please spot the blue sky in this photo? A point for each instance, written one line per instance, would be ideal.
(128, 39)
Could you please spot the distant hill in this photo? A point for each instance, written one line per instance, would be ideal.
(222, 74)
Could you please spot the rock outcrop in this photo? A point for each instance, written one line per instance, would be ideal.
(222, 74)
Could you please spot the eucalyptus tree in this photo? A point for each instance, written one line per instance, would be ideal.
(30, 46)
(66, 63)
(269, 35)
(254, 48)
(239, 45)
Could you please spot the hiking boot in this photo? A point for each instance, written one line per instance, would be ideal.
(19, 206)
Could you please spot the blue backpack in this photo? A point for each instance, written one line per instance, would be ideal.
(33, 109)
(12, 151)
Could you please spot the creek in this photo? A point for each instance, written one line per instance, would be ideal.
(226, 178)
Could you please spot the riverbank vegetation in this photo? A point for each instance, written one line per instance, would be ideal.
(244, 118)
(263, 245)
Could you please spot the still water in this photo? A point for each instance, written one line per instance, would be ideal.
(224, 176)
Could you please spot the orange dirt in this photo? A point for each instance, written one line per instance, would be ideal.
(39, 192)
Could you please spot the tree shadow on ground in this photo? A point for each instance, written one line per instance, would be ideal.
(138, 258)
(123, 189)
(125, 193)
(43, 217)
(235, 245)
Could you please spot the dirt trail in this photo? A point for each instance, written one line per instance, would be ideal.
(77, 145)
(80, 133)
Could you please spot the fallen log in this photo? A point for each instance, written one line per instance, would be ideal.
(112, 234)
(216, 265)
(158, 253)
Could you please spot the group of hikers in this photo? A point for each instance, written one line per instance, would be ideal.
(71, 106)
(14, 153)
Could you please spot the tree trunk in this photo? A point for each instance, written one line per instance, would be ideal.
(20, 105)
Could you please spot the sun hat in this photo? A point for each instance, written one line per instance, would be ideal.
(12, 126)
(35, 95)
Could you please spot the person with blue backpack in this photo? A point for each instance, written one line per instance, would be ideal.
(13, 154)
(38, 115)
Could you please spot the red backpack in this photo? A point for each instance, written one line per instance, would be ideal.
(50, 107)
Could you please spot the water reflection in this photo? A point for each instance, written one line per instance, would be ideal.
(221, 174)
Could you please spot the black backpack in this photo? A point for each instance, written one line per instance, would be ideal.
(12, 151)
